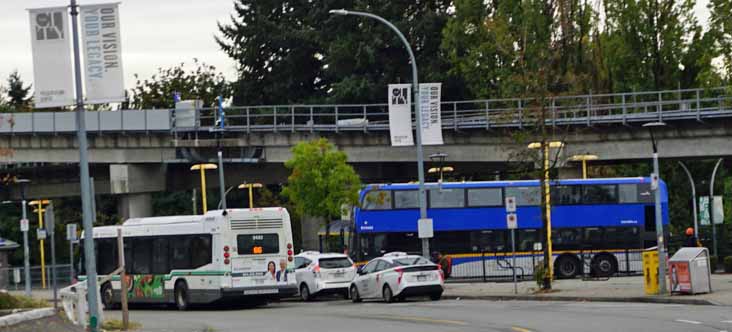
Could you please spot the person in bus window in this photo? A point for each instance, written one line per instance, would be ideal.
(271, 270)
(281, 275)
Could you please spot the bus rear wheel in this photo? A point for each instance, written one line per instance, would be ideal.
(181, 295)
(604, 265)
(567, 267)
(107, 296)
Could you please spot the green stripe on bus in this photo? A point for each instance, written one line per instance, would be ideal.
(176, 274)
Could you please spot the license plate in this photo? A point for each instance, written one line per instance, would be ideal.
(421, 278)
(338, 274)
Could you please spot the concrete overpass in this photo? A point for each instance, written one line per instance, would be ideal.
(136, 152)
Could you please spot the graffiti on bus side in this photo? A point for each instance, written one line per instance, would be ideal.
(145, 286)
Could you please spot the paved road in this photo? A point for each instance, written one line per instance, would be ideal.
(442, 316)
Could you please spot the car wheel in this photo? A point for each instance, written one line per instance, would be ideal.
(604, 265)
(435, 296)
(388, 294)
(181, 295)
(355, 297)
(305, 293)
(566, 267)
(107, 296)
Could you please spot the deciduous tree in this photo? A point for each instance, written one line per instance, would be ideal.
(321, 182)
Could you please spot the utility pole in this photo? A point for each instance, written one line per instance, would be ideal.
(24, 228)
(86, 208)
(656, 186)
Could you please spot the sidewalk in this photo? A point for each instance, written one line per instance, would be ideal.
(618, 289)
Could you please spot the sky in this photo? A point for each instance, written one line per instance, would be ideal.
(155, 33)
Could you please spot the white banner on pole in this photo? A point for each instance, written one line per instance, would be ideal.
(100, 31)
(429, 104)
(52, 69)
(400, 114)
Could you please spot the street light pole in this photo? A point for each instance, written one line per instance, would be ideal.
(711, 208)
(661, 247)
(693, 198)
(86, 208)
(417, 111)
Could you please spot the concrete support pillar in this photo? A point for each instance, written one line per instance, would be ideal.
(133, 183)
(310, 228)
(135, 206)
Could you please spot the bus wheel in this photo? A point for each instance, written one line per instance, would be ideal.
(604, 265)
(107, 296)
(181, 295)
(567, 267)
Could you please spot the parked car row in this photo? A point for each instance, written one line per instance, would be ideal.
(392, 277)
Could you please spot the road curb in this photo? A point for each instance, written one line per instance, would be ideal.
(583, 299)
(20, 317)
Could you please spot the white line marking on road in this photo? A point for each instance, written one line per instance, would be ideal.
(688, 321)
(727, 321)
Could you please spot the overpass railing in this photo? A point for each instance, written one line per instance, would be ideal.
(586, 110)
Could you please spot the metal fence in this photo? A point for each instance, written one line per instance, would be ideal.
(497, 266)
(588, 110)
(63, 276)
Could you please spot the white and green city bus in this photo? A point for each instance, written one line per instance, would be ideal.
(224, 255)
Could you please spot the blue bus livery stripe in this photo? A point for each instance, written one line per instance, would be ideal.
(457, 219)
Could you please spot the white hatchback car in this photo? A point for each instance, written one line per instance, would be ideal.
(396, 276)
(323, 273)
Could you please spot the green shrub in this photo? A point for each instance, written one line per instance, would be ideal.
(713, 263)
(116, 325)
(539, 274)
(8, 301)
(727, 264)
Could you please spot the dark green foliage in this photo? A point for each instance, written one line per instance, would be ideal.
(296, 52)
(727, 264)
(18, 99)
(201, 82)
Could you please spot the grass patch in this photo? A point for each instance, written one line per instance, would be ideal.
(116, 325)
(8, 301)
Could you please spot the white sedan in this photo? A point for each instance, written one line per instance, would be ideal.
(396, 276)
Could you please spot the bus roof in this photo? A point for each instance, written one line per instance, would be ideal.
(508, 183)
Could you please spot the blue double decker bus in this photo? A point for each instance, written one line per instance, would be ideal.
(599, 226)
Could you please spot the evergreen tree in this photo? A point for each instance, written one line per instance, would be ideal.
(18, 99)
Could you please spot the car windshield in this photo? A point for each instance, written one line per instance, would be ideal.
(411, 261)
(335, 263)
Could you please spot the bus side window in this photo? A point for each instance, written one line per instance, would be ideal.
(180, 249)
(526, 239)
(200, 250)
(160, 256)
(141, 256)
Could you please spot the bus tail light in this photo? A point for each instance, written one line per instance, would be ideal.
(226, 261)
(289, 252)
(226, 255)
(401, 274)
